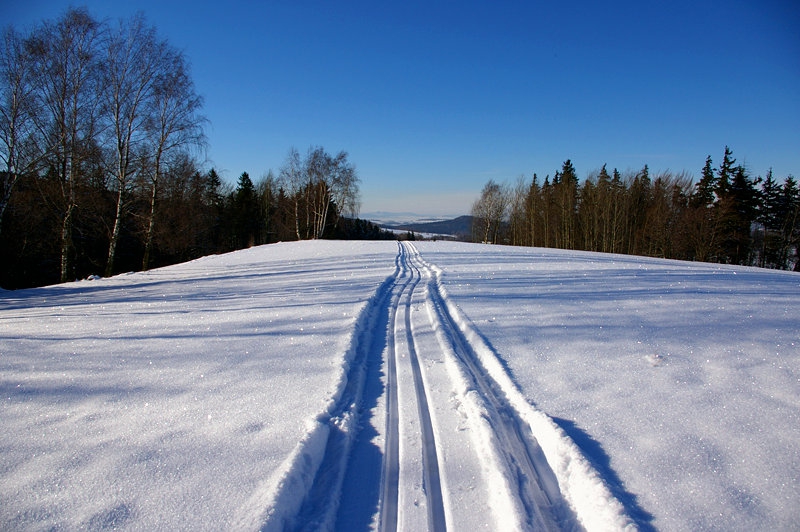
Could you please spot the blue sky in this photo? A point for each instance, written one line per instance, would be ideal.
(433, 99)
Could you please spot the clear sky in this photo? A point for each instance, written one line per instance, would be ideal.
(432, 99)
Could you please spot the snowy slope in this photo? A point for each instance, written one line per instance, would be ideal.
(356, 385)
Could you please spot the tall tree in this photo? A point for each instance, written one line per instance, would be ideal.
(291, 177)
(789, 213)
(344, 186)
(133, 59)
(701, 221)
(704, 191)
(605, 209)
(618, 212)
(768, 217)
(533, 205)
(267, 193)
(517, 214)
(744, 201)
(246, 213)
(321, 187)
(318, 168)
(565, 193)
(639, 198)
(19, 152)
(176, 124)
(588, 216)
(725, 174)
(489, 211)
(66, 65)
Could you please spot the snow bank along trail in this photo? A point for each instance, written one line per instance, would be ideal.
(459, 446)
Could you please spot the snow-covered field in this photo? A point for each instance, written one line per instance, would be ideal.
(402, 387)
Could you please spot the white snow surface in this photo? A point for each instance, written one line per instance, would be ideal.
(251, 391)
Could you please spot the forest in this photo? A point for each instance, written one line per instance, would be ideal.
(727, 216)
(101, 143)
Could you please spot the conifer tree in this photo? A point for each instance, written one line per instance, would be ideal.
(533, 203)
(565, 188)
(743, 199)
(725, 174)
(245, 215)
(704, 191)
(767, 216)
(789, 214)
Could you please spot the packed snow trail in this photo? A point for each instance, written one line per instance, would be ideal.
(456, 451)
(430, 462)
(521, 457)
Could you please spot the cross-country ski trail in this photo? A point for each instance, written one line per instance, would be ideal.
(430, 432)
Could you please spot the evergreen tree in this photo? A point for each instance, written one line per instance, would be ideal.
(767, 216)
(565, 189)
(618, 211)
(725, 174)
(743, 198)
(704, 191)
(246, 215)
(533, 204)
(789, 216)
(605, 203)
(638, 203)
(213, 190)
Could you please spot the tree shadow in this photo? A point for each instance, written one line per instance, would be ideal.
(602, 463)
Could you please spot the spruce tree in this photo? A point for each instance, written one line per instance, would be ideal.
(767, 216)
(789, 216)
(743, 204)
(704, 191)
(725, 174)
(246, 216)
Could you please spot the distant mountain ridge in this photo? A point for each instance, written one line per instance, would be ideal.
(460, 227)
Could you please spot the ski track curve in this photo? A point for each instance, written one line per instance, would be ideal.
(459, 446)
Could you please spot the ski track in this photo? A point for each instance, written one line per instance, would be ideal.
(431, 481)
(440, 404)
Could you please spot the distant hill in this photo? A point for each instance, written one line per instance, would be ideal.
(459, 228)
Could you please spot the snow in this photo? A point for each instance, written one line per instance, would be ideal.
(523, 387)
(680, 381)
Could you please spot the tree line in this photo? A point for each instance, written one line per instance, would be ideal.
(100, 133)
(728, 216)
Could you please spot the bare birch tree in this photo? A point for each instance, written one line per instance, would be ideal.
(489, 211)
(345, 186)
(291, 180)
(66, 63)
(174, 125)
(19, 152)
(133, 59)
